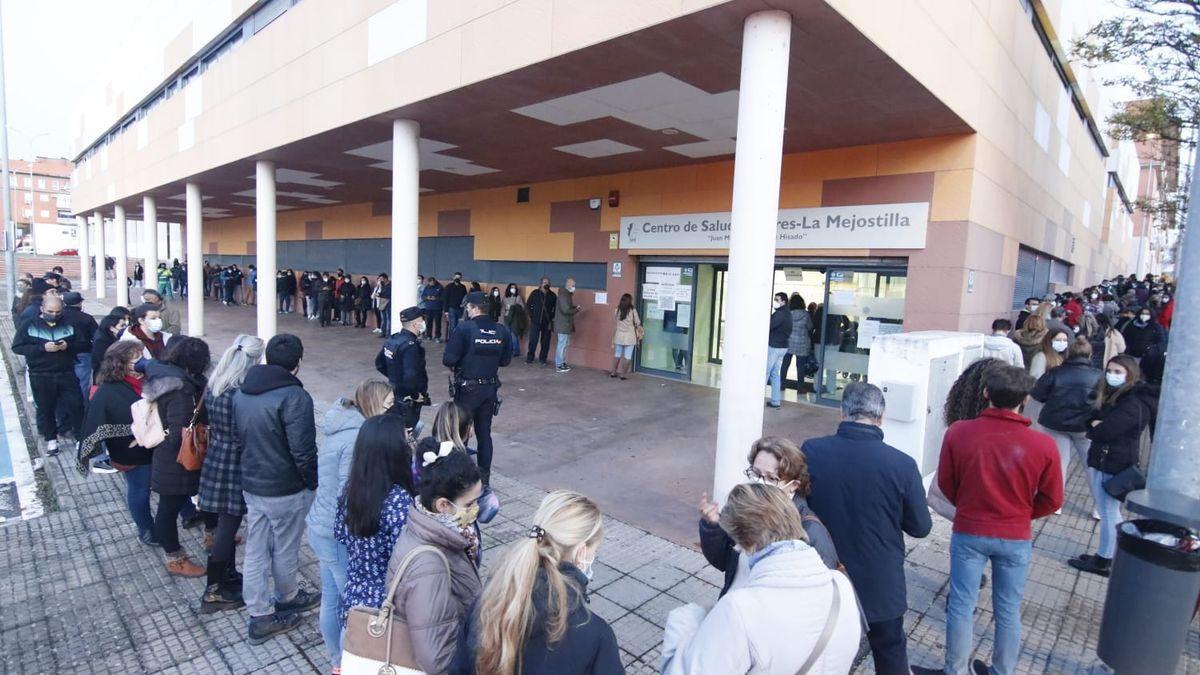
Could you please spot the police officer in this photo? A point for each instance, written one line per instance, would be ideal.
(476, 350)
(402, 360)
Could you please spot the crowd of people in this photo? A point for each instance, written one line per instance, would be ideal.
(397, 517)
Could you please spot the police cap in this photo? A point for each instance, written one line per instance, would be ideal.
(410, 314)
(476, 298)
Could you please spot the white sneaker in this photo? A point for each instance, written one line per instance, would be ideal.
(376, 331)
(52, 448)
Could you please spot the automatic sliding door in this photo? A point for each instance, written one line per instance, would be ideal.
(666, 301)
(859, 305)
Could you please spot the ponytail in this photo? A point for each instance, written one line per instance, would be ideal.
(564, 521)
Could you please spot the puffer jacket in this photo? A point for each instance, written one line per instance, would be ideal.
(334, 459)
(432, 604)
(800, 341)
(742, 632)
(274, 417)
(1116, 441)
(176, 394)
(1067, 393)
(1030, 343)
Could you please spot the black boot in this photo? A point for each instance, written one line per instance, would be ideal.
(1092, 564)
(217, 595)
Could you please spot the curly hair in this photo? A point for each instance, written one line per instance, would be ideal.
(115, 365)
(965, 400)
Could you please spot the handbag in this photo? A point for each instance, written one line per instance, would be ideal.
(194, 442)
(377, 642)
(147, 426)
(1125, 482)
(639, 332)
(827, 633)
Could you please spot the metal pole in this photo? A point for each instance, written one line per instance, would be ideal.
(1173, 486)
(10, 239)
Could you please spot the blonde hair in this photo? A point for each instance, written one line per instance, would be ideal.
(756, 516)
(564, 521)
(370, 396)
(242, 355)
(453, 424)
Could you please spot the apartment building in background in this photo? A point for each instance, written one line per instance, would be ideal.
(40, 194)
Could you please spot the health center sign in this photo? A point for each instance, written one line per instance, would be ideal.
(867, 226)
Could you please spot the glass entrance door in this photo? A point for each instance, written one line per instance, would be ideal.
(859, 305)
(665, 304)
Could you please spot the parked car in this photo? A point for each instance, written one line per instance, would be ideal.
(68, 251)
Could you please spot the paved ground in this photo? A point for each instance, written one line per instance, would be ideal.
(79, 594)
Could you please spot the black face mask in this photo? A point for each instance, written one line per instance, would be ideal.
(50, 318)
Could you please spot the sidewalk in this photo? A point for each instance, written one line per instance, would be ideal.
(82, 595)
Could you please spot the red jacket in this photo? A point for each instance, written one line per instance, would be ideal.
(1165, 314)
(999, 474)
(1074, 312)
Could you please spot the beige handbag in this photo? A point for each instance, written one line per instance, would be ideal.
(375, 642)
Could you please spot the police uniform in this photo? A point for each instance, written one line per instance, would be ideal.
(402, 361)
(476, 350)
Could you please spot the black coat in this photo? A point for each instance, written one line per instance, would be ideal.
(542, 305)
(363, 299)
(402, 361)
(717, 546)
(176, 394)
(274, 418)
(108, 424)
(85, 327)
(454, 294)
(869, 495)
(1139, 340)
(781, 328)
(1116, 441)
(1068, 392)
(589, 646)
(100, 344)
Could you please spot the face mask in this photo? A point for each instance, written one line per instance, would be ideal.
(495, 294)
(461, 518)
(546, 286)
(570, 289)
(1059, 345)
(1094, 296)
(420, 328)
(1114, 380)
(777, 304)
(1165, 299)
(1145, 318)
(50, 318)
(588, 567)
(154, 325)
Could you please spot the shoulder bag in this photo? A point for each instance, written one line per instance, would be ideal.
(194, 442)
(638, 331)
(147, 426)
(827, 633)
(374, 640)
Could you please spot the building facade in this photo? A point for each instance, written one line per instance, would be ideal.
(40, 192)
(937, 163)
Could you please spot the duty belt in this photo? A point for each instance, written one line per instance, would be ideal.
(481, 381)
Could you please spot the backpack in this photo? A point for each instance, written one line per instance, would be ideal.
(147, 425)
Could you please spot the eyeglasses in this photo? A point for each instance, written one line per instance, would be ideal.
(755, 475)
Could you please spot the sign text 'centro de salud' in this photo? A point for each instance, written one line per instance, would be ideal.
(866, 226)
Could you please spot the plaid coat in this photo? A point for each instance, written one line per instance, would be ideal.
(221, 475)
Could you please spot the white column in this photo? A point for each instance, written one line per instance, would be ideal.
(762, 98)
(406, 169)
(195, 262)
(85, 262)
(264, 227)
(150, 241)
(122, 255)
(100, 281)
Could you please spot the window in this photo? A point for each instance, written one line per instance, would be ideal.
(54, 185)
(41, 183)
(44, 197)
(28, 197)
(45, 213)
(28, 182)
(28, 213)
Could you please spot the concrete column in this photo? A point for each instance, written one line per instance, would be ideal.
(406, 169)
(101, 286)
(264, 227)
(121, 254)
(195, 262)
(150, 241)
(85, 262)
(759, 153)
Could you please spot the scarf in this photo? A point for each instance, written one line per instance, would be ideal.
(134, 383)
(467, 532)
(154, 346)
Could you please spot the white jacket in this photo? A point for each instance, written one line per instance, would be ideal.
(1003, 348)
(769, 625)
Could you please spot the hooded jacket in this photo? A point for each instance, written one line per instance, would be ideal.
(1067, 392)
(589, 646)
(334, 459)
(176, 394)
(432, 604)
(1030, 343)
(1116, 441)
(1004, 348)
(742, 633)
(274, 417)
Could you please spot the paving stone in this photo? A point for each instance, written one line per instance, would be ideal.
(636, 635)
(693, 589)
(659, 576)
(628, 592)
(605, 609)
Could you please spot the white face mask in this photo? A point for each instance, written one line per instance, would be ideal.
(1033, 308)
(154, 325)
(420, 328)
(588, 567)
(1114, 380)
(1059, 345)
(1145, 318)
(777, 304)
(570, 289)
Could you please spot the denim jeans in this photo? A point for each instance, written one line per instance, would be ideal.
(1066, 442)
(455, 316)
(274, 530)
(560, 352)
(137, 498)
(333, 558)
(1010, 568)
(1110, 513)
(774, 359)
(83, 373)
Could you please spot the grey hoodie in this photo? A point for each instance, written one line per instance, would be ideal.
(334, 458)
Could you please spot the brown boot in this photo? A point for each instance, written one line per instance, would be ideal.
(208, 540)
(180, 566)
